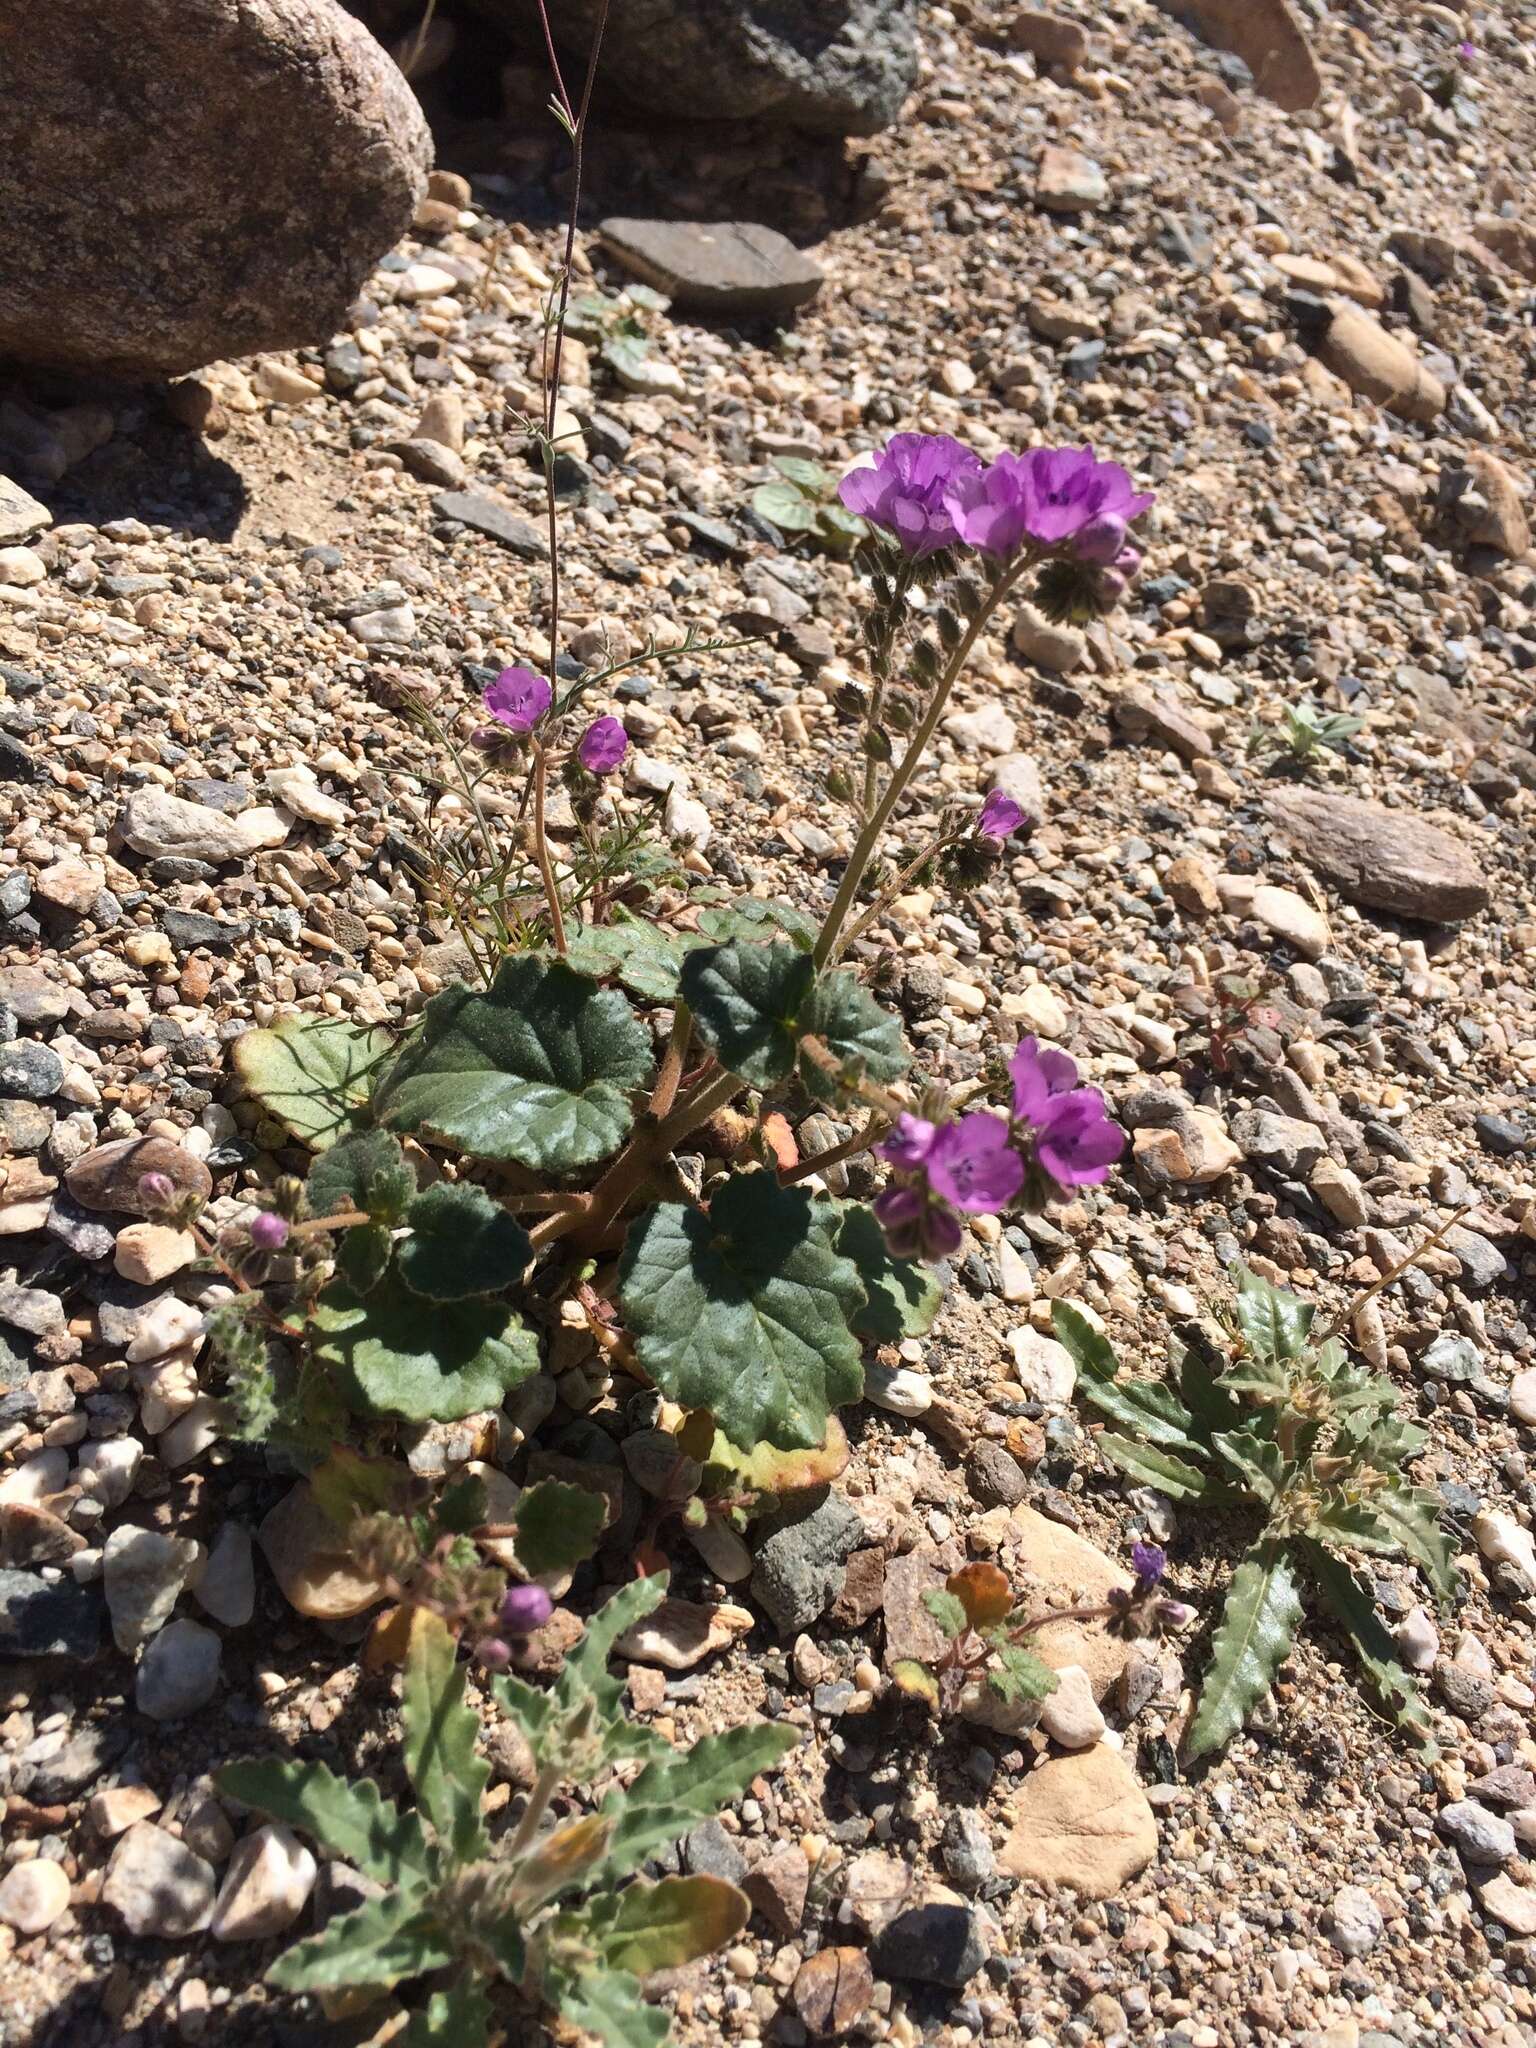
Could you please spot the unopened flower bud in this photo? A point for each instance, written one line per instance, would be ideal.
(525, 1609)
(493, 1653)
(156, 1189)
(1100, 540)
(268, 1231)
(1175, 1613)
(1112, 586)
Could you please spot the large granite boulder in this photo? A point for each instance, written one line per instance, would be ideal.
(840, 66)
(187, 180)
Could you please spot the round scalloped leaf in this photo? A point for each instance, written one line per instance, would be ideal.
(746, 1311)
(904, 1297)
(365, 1170)
(766, 1475)
(746, 1001)
(313, 1074)
(461, 1243)
(866, 1039)
(395, 1354)
(538, 1069)
(645, 958)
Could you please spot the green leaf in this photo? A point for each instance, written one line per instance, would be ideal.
(662, 1926)
(948, 1611)
(766, 1474)
(1150, 1466)
(1257, 1627)
(313, 1074)
(1258, 1463)
(461, 1243)
(396, 1354)
(457, 2018)
(365, 1170)
(608, 2003)
(373, 1947)
(904, 1297)
(746, 1001)
(1399, 1521)
(1020, 1675)
(839, 529)
(804, 474)
(584, 1683)
(446, 1772)
(1275, 1323)
(461, 1508)
(785, 507)
(674, 1792)
(557, 1526)
(759, 917)
(865, 1039)
(350, 1820)
(746, 1311)
(363, 1255)
(1352, 1607)
(646, 958)
(1148, 1407)
(530, 1711)
(539, 1069)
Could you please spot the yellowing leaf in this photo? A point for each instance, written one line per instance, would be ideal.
(984, 1592)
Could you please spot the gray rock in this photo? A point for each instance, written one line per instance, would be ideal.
(33, 997)
(188, 189)
(143, 1573)
(494, 517)
(48, 1617)
(1354, 1921)
(29, 1072)
(1383, 860)
(77, 1765)
(966, 1848)
(227, 1588)
(723, 268)
(1482, 1263)
(179, 1672)
(20, 515)
(996, 1477)
(1481, 1836)
(157, 1885)
(933, 1944)
(160, 825)
(1283, 1143)
(708, 1851)
(800, 1557)
(31, 1309)
(840, 66)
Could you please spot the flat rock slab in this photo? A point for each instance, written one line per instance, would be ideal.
(20, 514)
(1269, 37)
(485, 513)
(1380, 859)
(1082, 1821)
(720, 267)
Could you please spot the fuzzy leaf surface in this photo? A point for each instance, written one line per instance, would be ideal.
(1257, 1628)
(609, 2004)
(459, 2017)
(312, 1074)
(904, 1296)
(347, 1817)
(376, 1945)
(865, 1038)
(645, 958)
(1020, 1675)
(364, 1170)
(1275, 1323)
(675, 1791)
(461, 1244)
(746, 1311)
(746, 1001)
(557, 1526)
(446, 1771)
(662, 1926)
(1257, 1462)
(538, 1069)
(1352, 1606)
(1150, 1466)
(1148, 1407)
(397, 1354)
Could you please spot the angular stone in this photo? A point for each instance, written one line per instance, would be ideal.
(935, 1943)
(1082, 1821)
(157, 1885)
(162, 826)
(1292, 918)
(1066, 181)
(183, 196)
(269, 1879)
(1049, 38)
(48, 1617)
(1484, 502)
(1269, 37)
(721, 268)
(778, 1887)
(20, 515)
(485, 513)
(1383, 860)
(1378, 365)
(800, 1560)
(840, 67)
(1150, 715)
(108, 1177)
(833, 1989)
(681, 1633)
(227, 1587)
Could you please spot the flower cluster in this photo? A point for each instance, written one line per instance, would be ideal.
(1059, 1134)
(518, 700)
(1143, 1610)
(929, 492)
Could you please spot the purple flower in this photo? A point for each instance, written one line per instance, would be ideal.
(493, 1653)
(1077, 1144)
(1039, 1075)
(1000, 816)
(973, 1165)
(915, 1226)
(905, 489)
(1466, 51)
(525, 1609)
(1175, 1613)
(1102, 540)
(1150, 1561)
(1048, 496)
(602, 746)
(518, 698)
(269, 1231)
(909, 1143)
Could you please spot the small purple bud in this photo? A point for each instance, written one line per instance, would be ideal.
(525, 1609)
(1150, 1560)
(1112, 586)
(1100, 540)
(156, 1189)
(269, 1231)
(1175, 1613)
(493, 1653)
(1128, 563)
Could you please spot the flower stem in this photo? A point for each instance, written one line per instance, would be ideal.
(545, 1787)
(850, 1148)
(895, 789)
(541, 847)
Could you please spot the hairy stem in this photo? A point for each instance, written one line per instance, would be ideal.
(906, 768)
(850, 1148)
(545, 1787)
(664, 1094)
(893, 889)
(541, 847)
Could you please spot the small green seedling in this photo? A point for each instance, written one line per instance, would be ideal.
(1306, 731)
(803, 500)
(1288, 1425)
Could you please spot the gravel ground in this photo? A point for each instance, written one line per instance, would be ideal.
(231, 617)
